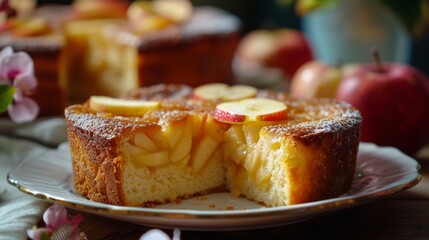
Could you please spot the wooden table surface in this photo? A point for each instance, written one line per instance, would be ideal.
(404, 215)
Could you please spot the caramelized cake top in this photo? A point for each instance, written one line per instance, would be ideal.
(306, 117)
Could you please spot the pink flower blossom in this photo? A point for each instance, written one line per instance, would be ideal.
(59, 225)
(55, 216)
(17, 70)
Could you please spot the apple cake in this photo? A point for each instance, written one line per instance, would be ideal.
(40, 37)
(149, 151)
(196, 52)
(81, 50)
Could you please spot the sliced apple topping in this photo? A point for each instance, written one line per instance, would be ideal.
(138, 10)
(155, 159)
(252, 161)
(142, 158)
(31, 27)
(254, 109)
(134, 150)
(240, 143)
(235, 134)
(183, 147)
(10, 23)
(141, 140)
(251, 133)
(234, 146)
(239, 154)
(197, 125)
(159, 139)
(228, 149)
(214, 129)
(176, 10)
(223, 92)
(202, 153)
(147, 16)
(182, 163)
(121, 106)
(179, 145)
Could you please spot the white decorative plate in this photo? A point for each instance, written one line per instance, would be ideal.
(380, 172)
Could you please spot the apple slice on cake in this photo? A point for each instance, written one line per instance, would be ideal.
(253, 109)
(121, 106)
(223, 92)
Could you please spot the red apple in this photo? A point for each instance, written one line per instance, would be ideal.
(394, 103)
(285, 49)
(315, 79)
(253, 109)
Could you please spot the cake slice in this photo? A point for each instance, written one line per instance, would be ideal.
(179, 150)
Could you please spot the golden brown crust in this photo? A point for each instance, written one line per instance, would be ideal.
(94, 140)
(332, 160)
(330, 130)
(196, 52)
(161, 92)
(326, 128)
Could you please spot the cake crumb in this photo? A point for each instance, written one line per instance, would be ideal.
(229, 207)
(202, 198)
(178, 201)
(212, 205)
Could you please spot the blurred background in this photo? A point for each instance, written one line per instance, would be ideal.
(311, 48)
(270, 14)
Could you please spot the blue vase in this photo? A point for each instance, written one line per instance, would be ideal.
(348, 31)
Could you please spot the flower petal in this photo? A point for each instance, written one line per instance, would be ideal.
(25, 83)
(17, 63)
(55, 216)
(18, 96)
(5, 52)
(24, 111)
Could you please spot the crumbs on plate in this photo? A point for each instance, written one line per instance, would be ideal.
(229, 207)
